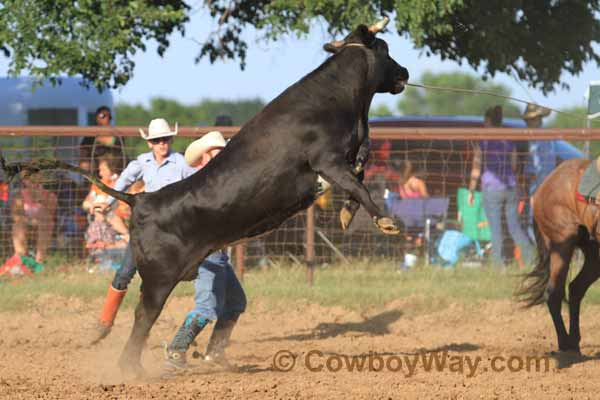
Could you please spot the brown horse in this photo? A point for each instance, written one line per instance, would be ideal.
(563, 223)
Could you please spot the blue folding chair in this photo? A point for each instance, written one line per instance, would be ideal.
(420, 217)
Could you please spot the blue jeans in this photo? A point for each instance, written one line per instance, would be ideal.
(219, 294)
(126, 271)
(494, 201)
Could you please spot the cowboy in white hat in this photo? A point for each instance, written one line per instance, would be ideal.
(219, 295)
(157, 168)
(201, 151)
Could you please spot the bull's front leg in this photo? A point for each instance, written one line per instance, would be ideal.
(351, 206)
(335, 169)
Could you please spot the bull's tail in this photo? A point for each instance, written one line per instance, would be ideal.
(43, 164)
(533, 287)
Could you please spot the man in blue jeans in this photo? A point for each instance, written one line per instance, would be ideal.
(158, 167)
(219, 295)
(497, 159)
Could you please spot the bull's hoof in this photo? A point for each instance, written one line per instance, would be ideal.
(346, 217)
(132, 369)
(387, 225)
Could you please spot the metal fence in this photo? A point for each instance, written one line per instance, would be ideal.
(441, 157)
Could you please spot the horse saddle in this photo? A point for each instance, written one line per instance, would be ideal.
(589, 185)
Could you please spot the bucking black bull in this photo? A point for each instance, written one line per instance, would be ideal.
(268, 172)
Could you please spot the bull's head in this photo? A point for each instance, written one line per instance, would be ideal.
(391, 76)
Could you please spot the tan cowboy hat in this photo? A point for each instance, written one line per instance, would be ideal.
(158, 128)
(534, 111)
(198, 147)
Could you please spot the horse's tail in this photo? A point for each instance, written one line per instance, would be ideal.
(533, 287)
(35, 166)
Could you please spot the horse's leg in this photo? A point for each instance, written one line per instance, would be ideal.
(147, 311)
(560, 257)
(577, 288)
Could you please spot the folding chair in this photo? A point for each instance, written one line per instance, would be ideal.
(423, 217)
(473, 219)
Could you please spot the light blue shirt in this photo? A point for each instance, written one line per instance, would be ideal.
(173, 169)
(544, 156)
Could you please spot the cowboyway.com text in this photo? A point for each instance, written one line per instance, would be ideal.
(409, 364)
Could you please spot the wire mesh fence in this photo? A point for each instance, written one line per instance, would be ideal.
(45, 215)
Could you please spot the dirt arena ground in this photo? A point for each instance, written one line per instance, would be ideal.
(44, 355)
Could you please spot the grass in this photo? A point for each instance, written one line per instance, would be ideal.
(360, 286)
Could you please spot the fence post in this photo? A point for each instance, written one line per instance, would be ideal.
(310, 244)
(240, 250)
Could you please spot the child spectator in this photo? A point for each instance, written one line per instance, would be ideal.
(107, 167)
(410, 186)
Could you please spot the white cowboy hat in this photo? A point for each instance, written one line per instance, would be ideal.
(158, 128)
(198, 147)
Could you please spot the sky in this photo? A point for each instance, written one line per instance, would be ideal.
(273, 66)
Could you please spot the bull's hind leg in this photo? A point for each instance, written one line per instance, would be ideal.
(560, 257)
(350, 207)
(589, 274)
(147, 311)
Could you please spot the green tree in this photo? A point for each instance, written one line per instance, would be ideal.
(572, 117)
(381, 110)
(536, 40)
(202, 113)
(92, 38)
(575, 117)
(417, 101)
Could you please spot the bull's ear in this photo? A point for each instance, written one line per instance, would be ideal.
(333, 47)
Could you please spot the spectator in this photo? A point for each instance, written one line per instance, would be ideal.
(411, 187)
(100, 234)
(379, 175)
(33, 209)
(107, 170)
(92, 147)
(542, 156)
(497, 159)
(223, 120)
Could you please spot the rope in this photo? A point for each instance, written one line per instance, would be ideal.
(459, 90)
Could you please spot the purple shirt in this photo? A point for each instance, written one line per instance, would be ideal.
(497, 167)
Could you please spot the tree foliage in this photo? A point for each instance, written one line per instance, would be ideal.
(416, 101)
(572, 117)
(382, 110)
(535, 40)
(92, 38)
(202, 113)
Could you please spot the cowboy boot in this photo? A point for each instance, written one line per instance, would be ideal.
(219, 340)
(175, 352)
(113, 301)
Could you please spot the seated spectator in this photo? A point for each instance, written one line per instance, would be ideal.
(100, 234)
(410, 186)
(107, 235)
(92, 147)
(107, 167)
(379, 174)
(33, 210)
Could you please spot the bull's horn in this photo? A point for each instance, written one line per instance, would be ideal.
(378, 26)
